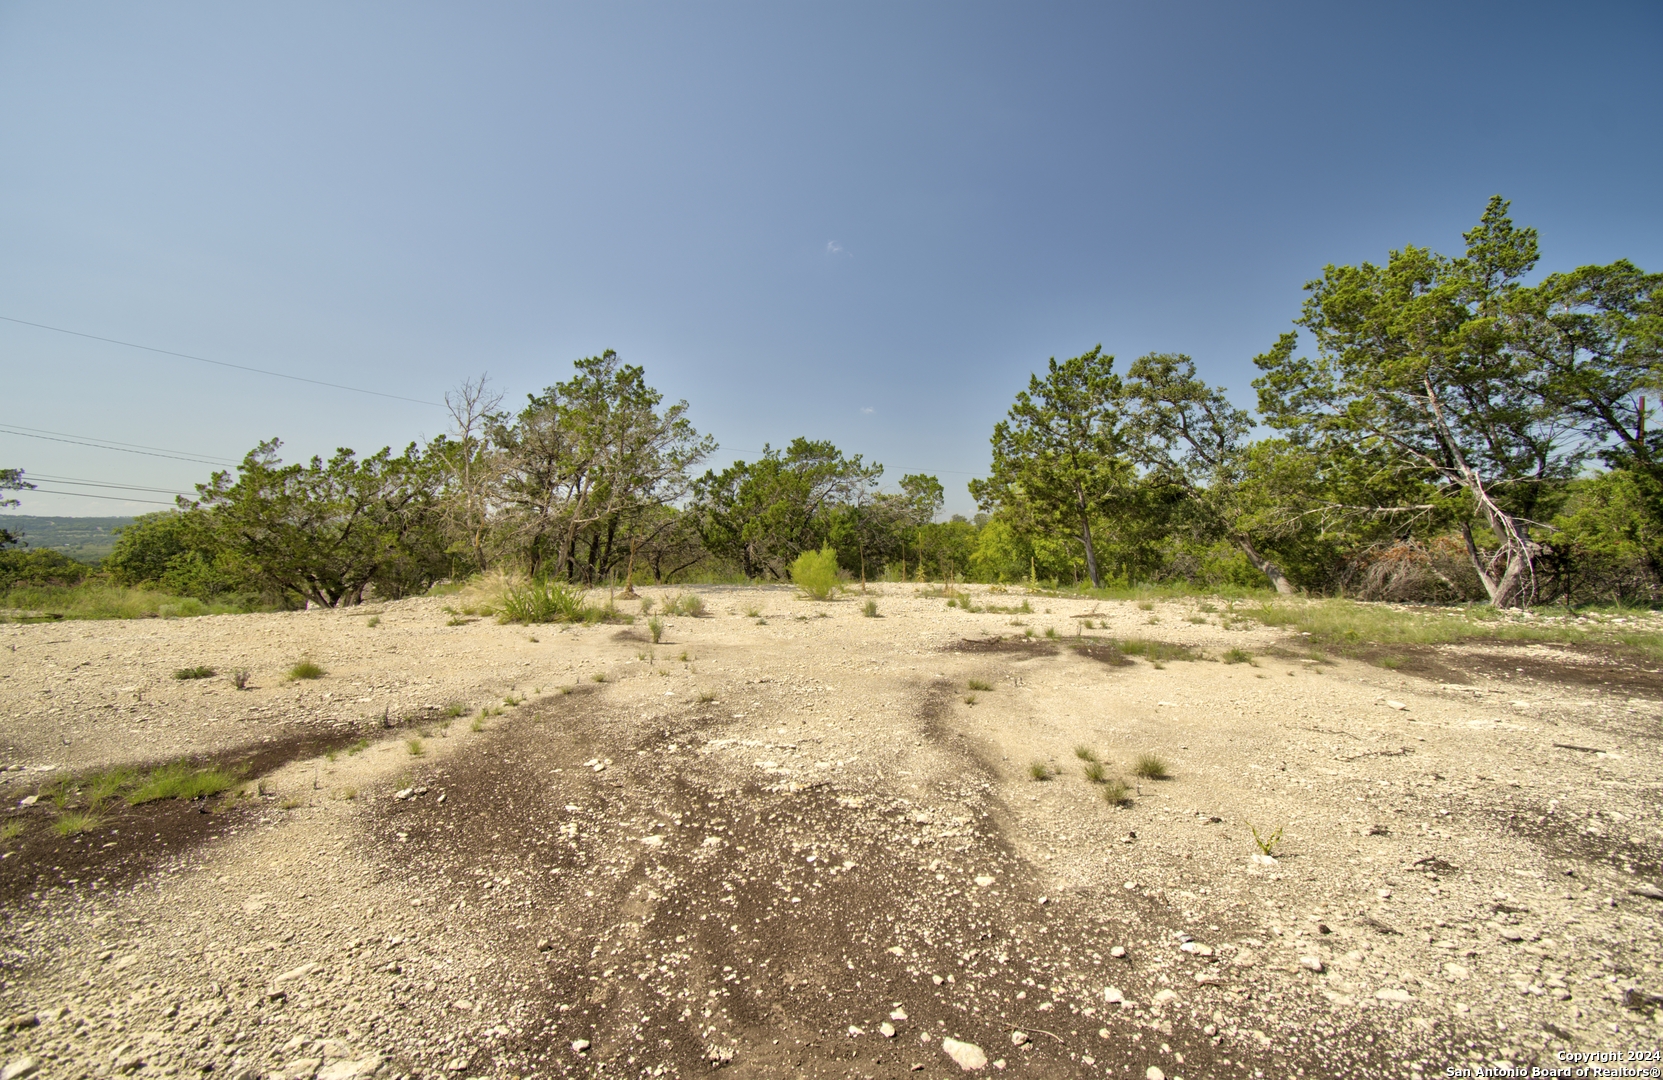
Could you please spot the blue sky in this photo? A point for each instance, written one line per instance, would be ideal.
(862, 222)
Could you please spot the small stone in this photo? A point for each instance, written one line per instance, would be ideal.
(1164, 996)
(896, 950)
(1118, 951)
(28, 800)
(350, 1070)
(937, 979)
(544, 945)
(1154, 1073)
(1391, 993)
(464, 1005)
(855, 1032)
(19, 1069)
(1311, 963)
(1398, 705)
(1018, 1038)
(22, 1020)
(1265, 860)
(295, 973)
(1044, 900)
(1113, 996)
(1384, 894)
(886, 1029)
(1456, 971)
(967, 1056)
(1647, 890)
(898, 1014)
(1512, 934)
(580, 1046)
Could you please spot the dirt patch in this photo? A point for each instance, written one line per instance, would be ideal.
(1022, 648)
(132, 841)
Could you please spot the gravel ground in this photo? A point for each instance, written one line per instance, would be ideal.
(805, 842)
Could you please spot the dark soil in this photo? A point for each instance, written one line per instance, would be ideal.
(1021, 648)
(131, 841)
(677, 909)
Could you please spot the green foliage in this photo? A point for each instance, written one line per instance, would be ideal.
(1040, 770)
(198, 672)
(96, 599)
(1093, 772)
(39, 568)
(655, 626)
(180, 780)
(329, 530)
(545, 601)
(1237, 656)
(178, 552)
(815, 572)
(306, 669)
(870, 610)
(1058, 458)
(75, 822)
(762, 515)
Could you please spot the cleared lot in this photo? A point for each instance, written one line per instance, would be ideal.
(780, 843)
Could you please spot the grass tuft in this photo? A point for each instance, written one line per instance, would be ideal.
(455, 708)
(1237, 656)
(306, 670)
(10, 831)
(239, 678)
(1093, 771)
(1116, 792)
(545, 602)
(180, 780)
(1040, 770)
(373, 621)
(870, 610)
(415, 747)
(76, 822)
(1151, 767)
(1085, 753)
(978, 684)
(599, 676)
(646, 605)
(655, 626)
(1266, 844)
(195, 673)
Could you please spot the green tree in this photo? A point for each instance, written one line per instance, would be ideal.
(584, 465)
(1191, 438)
(328, 530)
(11, 480)
(761, 515)
(181, 552)
(1059, 458)
(1415, 370)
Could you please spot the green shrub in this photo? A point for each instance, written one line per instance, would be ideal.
(195, 673)
(1040, 770)
(655, 626)
(545, 602)
(815, 572)
(870, 610)
(307, 670)
(1237, 656)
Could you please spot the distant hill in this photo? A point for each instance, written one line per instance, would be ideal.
(86, 539)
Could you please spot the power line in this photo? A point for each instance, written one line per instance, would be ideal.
(219, 363)
(111, 498)
(29, 433)
(97, 483)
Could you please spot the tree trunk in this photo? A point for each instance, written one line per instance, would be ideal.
(1505, 591)
(1091, 552)
(1269, 569)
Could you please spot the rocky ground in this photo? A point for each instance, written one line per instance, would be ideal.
(792, 840)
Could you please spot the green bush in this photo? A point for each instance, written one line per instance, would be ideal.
(815, 572)
(544, 602)
(39, 567)
(180, 780)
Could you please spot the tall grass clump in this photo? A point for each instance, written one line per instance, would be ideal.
(199, 672)
(688, 604)
(544, 601)
(1151, 767)
(75, 822)
(815, 572)
(306, 669)
(870, 610)
(655, 626)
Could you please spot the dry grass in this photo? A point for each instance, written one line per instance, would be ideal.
(306, 669)
(1040, 770)
(1151, 767)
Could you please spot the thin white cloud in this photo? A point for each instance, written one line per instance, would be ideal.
(834, 248)
(867, 410)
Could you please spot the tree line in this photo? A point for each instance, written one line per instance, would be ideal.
(1458, 434)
